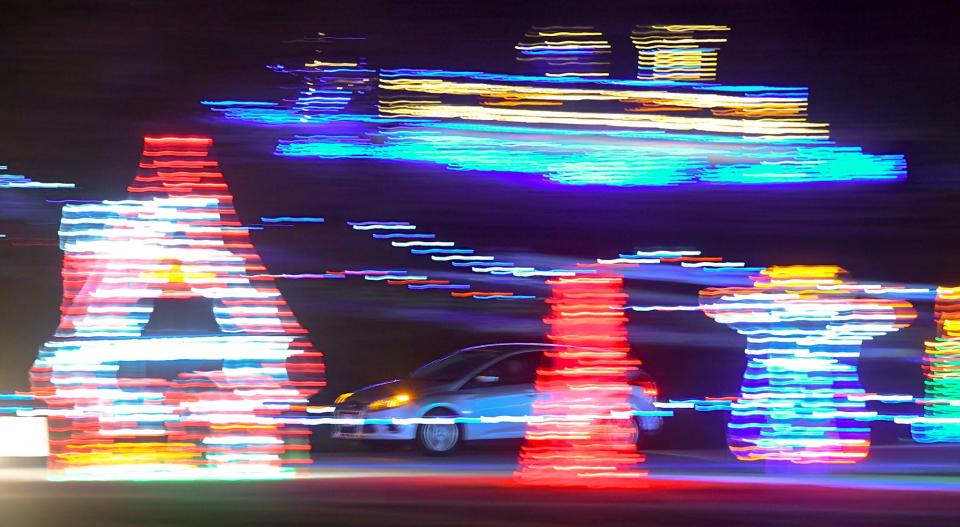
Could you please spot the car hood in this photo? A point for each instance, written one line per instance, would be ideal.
(416, 388)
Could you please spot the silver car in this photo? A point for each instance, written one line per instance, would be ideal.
(482, 381)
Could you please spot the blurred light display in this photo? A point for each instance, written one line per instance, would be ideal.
(605, 132)
(565, 51)
(585, 381)
(570, 123)
(801, 400)
(328, 83)
(15, 183)
(174, 357)
(678, 52)
(18, 181)
(940, 422)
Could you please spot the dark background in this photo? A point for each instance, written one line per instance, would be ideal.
(82, 82)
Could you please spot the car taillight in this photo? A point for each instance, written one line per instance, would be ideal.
(649, 388)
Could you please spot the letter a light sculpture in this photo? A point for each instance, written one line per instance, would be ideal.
(137, 385)
(801, 399)
(581, 385)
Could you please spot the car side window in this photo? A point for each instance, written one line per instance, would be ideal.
(518, 369)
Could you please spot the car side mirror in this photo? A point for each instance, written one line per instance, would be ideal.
(486, 379)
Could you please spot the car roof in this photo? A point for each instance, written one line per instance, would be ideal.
(504, 348)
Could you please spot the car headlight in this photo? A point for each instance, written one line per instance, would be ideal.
(342, 397)
(390, 402)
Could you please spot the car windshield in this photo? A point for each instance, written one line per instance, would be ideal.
(453, 367)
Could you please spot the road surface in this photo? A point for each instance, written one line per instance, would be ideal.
(907, 485)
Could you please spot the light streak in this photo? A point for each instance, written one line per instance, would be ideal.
(437, 286)
(302, 276)
(403, 235)
(666, 123)
(394, 277)
(422, 244)
(292, 219)
(663, 308)
(17, 181)
(380, 225)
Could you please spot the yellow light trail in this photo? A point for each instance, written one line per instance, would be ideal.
(753, 127)
(694, 100)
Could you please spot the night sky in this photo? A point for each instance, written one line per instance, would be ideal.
(83, 82)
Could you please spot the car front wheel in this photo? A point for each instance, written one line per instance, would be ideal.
(439, 439)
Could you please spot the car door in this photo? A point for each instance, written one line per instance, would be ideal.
(504, 389)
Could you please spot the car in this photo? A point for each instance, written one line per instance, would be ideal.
(480, 381)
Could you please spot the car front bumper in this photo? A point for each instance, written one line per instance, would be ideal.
(375, 425)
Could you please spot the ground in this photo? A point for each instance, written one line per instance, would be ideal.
(686, 488)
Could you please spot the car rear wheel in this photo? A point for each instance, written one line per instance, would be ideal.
(439, 439)
(636, 433)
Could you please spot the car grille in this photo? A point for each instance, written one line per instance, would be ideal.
(348, 429)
